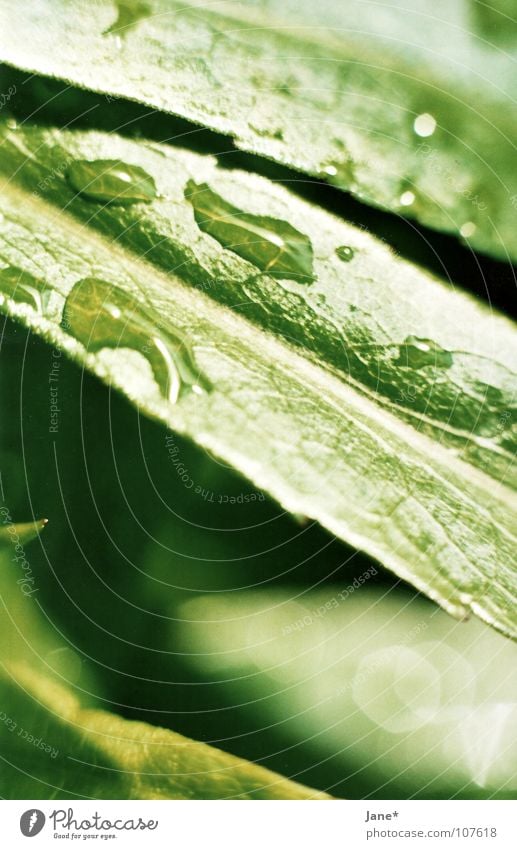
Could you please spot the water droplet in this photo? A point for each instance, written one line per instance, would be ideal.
(111, 180)
(23, 288)
(406, 198)
(130, 12)
(345, 253)
(417, 353)
(340, 171)
(269, 243)
(101, 315)
(11, 124)
(468, 229)
(424, 125)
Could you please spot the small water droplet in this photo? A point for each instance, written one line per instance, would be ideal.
(345, 253)
(407, 198)
(111, 181)
(424, 125)
(340, 171)
(269, 243)
(130, 12)
(23, 288)
(11, 124)
(101, 315)
(417, 353)
(468, 229)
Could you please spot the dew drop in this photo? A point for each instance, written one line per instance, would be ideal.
(339, 171)
(111, 181)
(417, 353)
(269, 243)
(101, 315)
(23, 288)
(468, 229)
(345, 253)
(407, 198)
(424, 125)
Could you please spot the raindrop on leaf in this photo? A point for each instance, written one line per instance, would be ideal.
(23, 288)
(101, 315)
(112, 181)
(345, 253)
(407, 198)
(269, 243)
(468, 229)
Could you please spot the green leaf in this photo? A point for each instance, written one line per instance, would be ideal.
(52, 745)
(57, 748)
(382, 324)
(364, 399)
(385, 106)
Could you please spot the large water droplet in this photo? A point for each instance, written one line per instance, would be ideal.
(101, 315)
(23, 288)
(345, 253)
(269, 243)
(111, 180)
(130, 12)
(417, 353)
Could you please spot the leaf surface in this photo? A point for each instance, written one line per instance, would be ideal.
(405, 122)
(366, 399)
